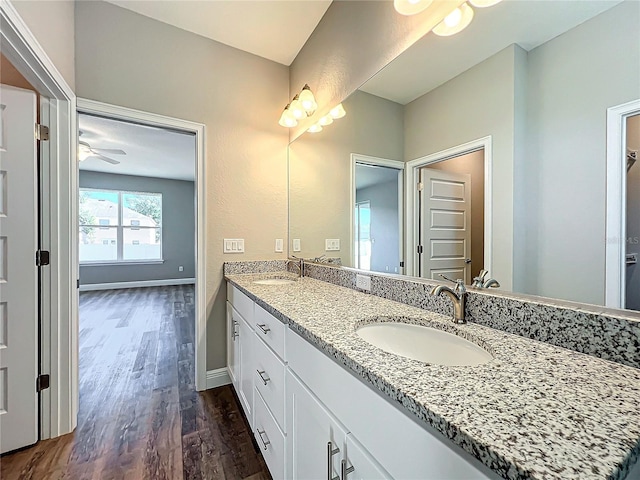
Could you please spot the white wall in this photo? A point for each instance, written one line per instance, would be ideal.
(573, 79)
(52, 23)
(475, 104)
(126, 59)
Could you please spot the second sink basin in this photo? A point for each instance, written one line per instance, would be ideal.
(274, 281)
(425, 344)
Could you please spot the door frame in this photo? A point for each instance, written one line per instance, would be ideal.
(357, 158)
(59, 313)
(137, 116)
(412, 176)
(616, 206)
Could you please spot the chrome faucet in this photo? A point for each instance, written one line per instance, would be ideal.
(298, 262)
(458, 296)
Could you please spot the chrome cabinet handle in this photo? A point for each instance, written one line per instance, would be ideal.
(260, 434)
(234, 334)
(330, 453)
(263, 327)
(264, 380)
(344, 471)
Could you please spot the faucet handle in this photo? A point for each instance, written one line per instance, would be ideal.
(459, 288)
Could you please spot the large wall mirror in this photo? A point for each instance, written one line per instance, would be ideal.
(495, 149)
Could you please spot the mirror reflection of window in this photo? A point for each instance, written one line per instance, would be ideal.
(363, 235)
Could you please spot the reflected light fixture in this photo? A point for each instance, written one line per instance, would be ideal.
(484, 3)
(455, 22)
(326, 120)
(411, 7)
(307, 100)
(315, 128)
(337, 112)
(295, 107)
(287, 119)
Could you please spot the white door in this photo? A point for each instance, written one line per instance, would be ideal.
(315, 440)
(232, 340)
(18, 272)
(247, 368)
(445, 225)
(364, 466)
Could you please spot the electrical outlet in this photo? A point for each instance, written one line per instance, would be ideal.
(233, 245)
(332, 244)
(296, 245)
(279, 245)
(363, 282)
(181, 268)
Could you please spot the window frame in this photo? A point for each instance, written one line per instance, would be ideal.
(120, 230)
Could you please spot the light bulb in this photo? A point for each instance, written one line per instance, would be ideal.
(287, 119)
(326, 120)
(455, 22)
(315, 128)
(338, 111)
(484, 3)
(411, 7)
(296, 108)
(307, 100)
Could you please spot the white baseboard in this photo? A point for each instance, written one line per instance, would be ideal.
(218, 378)
(142, 283)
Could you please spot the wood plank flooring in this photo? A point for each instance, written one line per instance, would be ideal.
(140, 416)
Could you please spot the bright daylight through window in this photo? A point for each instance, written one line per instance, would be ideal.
(120, 226)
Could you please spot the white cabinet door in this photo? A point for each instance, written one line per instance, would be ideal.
(247, 369)
(315, 439)
(232, 341)
(359, 464)
(18, 273)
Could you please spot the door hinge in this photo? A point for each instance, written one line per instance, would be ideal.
(402, 264)
(42, 382)
(42, 132)
(42, 258)
(420, 249)
(420, 186)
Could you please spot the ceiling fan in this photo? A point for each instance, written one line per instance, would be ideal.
(85, 151)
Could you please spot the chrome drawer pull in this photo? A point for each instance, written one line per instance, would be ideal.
(330, 453)
(264, 380)
(260, 433)
(263, 327)
(234, 334)
(344, 471)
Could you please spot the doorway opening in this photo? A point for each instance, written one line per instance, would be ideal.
(632, 149)
(449, 212)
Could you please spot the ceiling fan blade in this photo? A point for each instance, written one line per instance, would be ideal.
(107, 159)
(112, 151)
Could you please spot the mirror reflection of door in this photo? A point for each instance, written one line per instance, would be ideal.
(378, 218)
(632, 300)
(451, 217)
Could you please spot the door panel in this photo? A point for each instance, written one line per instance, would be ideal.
(18, 272)
(445, 233)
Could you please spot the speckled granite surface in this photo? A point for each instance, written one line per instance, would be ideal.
(258, 266)
(535, 411)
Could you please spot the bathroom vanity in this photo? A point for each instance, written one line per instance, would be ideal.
(324, 403)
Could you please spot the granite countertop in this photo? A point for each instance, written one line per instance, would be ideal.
(534, 411)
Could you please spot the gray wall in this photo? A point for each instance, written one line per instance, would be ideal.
(383, 199)
(573, 79)
(178, 229)
(127, 59)
(475, 104)
(633, 215)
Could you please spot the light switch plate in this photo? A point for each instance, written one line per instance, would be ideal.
(233, 245)
(332, 244)
(279, 245)
(363, 282)
(296, 245)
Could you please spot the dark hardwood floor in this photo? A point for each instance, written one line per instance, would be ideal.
(140, 416)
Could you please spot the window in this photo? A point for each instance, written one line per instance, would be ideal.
(118, 226)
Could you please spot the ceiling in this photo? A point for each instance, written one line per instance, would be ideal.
(434, 60)
(150, 151)
(369, 175)
(275, 30)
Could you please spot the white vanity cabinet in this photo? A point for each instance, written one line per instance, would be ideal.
(233, 349)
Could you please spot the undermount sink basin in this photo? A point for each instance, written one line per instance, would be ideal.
(274, 281)
(425, 344)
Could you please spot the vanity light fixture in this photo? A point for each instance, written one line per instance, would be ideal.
(307, 100)
(296, 108)
(337, 112)
(315, 128)
(411, 7)
(326, 120)
(455, 22)
(484, 3)
(287, 119)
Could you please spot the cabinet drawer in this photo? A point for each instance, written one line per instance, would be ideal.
(270, 329)
(269, 374)
(242, 303)
(269, 437)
